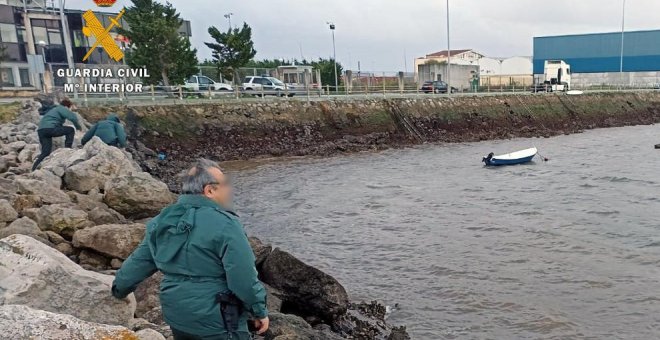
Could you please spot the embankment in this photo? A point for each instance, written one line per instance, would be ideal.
(244, 130)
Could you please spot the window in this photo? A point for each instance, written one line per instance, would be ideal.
(8, 33)
(7, 76)
(54, 38)
(192, 79)
(40, 34)
(204, 80)
(24, 74)
(21, 34)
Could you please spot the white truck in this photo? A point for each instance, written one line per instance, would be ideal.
(556, 77)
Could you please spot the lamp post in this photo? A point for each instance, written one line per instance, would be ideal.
(448, 54)
(623, 27)
(228, 17)
(42, 79)
(334, 54)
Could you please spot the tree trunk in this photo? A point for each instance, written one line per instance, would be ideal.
(166, 80)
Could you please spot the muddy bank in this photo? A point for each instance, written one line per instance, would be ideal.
(234, 131)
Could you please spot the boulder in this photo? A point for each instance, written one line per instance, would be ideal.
(291, 327)
(40, 277)
(23, 322)
(23, 226)
(137, 196)
(14, 147)
(8, 188)
(87, 202)
(147, 295)
(113, 240)
(7, 212)
(61, 159)
(100, 215)
(260, 250)
(29, 153)
(305, 289)
(46, 177)
(23, 202)
(104, 163)
(60, 218)
(48, 194)
(92, 260)
(149, 334)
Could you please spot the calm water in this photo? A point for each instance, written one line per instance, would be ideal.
(568, 249)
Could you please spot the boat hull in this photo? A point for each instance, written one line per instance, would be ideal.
(499, 162)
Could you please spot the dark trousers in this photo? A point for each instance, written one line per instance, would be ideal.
(179, 335)
(46, 141)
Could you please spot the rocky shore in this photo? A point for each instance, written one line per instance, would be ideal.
(66, 228)
(253, 129)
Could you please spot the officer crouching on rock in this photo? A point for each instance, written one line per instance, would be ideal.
(210, 286)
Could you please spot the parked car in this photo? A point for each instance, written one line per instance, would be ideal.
(268, 86)
(202, 84)
(436, 87)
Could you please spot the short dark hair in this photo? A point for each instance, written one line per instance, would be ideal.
(198, 177)
(66, 102)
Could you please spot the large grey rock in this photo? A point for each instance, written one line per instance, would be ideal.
(23, 226)
(147, 295)
(48, 193)
(22, 322)
(104, 163)
(8, 188)
(59, 218)
(29, 153)
(291, 327)
(46, 177)
(260, 250)
(7, 212)
(61, 159)
(310, 291)
(40, 277)
(114, 240)
(137, 196)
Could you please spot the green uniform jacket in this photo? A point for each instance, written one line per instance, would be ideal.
(109, 130)
(202, 250)
(56, 117)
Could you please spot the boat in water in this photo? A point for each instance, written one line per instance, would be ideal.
(518, 157)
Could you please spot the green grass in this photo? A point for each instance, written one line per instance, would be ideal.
(8, 111)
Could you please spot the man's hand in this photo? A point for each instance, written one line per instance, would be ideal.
(261, 325)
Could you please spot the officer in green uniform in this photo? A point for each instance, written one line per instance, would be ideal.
(52, 125)
(210, 287)
(109, 131)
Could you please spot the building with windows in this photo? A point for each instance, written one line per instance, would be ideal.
(596, 58)
(39, 39)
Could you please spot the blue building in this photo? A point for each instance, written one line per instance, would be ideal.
(596, 58)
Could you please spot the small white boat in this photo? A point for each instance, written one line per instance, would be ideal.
(518, 157)
(574, 92)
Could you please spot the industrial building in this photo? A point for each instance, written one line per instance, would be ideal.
(467, 65)
(595, 59)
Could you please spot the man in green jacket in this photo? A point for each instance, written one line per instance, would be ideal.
(109, 130)
(205, 257)
(52, 125)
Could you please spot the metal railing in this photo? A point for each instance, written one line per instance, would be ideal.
(159, 95)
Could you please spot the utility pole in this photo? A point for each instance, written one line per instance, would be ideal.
(228, 17)
(623, 27)
(448, 54)
(334, 54)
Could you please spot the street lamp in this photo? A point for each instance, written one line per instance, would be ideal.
(448, 54)
(334, 54)
(623, 26)
(43, 44)
(228, 17)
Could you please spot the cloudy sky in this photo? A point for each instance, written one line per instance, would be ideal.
(385, 35)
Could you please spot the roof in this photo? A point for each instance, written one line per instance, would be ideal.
(444, 53)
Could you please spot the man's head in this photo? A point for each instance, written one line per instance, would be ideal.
(66, 102)
(206, 178)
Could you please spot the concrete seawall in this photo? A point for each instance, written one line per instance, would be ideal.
(244, 130)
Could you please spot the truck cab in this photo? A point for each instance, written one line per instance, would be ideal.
(556, 77)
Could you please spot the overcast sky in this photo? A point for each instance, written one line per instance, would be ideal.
(379, 33)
